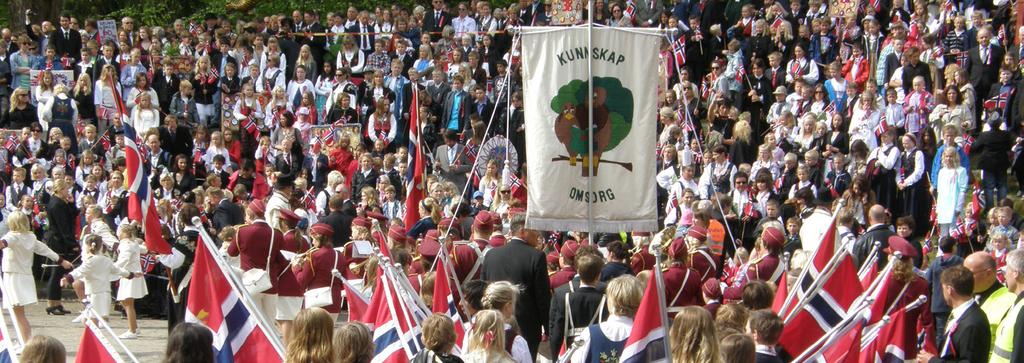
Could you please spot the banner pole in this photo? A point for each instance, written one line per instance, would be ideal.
(590, 119)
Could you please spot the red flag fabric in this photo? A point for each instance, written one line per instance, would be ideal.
(646, 340)
(214, 303)
(780, 294)
(417, 162)
(92, 350)
(444, 296)
(824, 309)
(888, 345)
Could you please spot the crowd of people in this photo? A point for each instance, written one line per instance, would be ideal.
(899, 120)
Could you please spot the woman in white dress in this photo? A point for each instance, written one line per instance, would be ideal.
(865, 118)
(145, 115)
(949, 190)
(129, 253)
(19, 287)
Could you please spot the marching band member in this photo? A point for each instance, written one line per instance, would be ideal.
(766, 264)
(289, 293)
(258, 246)
(566, 259)
(317, 268)
(682, 283)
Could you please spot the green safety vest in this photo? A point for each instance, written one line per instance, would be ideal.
(1004, 335)
(996, 307)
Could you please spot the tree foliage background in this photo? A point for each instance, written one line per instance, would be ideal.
(163, 12)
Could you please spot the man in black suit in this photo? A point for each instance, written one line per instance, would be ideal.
(175, 138)
(968, 338)
(983, 63)
(225, 212)
(290, 49)
(362, 33)
(481, 105)
(877, 232)
(582, 305)
(67, 41)
(106, 57)
(341, 215)
(436, 19)
(366, 176)
(316, 43)
(166, 83)
(520, 262)
(990, 150)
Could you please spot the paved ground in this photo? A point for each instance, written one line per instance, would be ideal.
(148, 348)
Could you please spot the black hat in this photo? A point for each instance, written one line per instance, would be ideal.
(284, 181)
(210, 16)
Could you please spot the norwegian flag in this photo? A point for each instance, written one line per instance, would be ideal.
(309, 199)
(977, 200)
(998, 102)
(831, 108)
(741, 71)
(11, 143)
(646, 340)
(779, 20)
(750, 210)
(444, 297)
(888, 344)
(630, 9)
(778, 185)
(93, 349)
(214, 302)
(141, 204)
(358, 303)
(250, 126)
(194, 28)
(417, 161)
(883, 125)
(959, 232)
(705, 88)
(843, 347)
(1001, 35)
(819, 261)
(967, 142)
(780, 294)
(825, 308)
(961, 59)
(679, 51)
(149, 262)
(514, 183)
(396, 330)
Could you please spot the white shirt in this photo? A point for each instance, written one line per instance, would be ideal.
(20, 248)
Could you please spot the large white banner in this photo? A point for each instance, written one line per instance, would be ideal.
(555, 76)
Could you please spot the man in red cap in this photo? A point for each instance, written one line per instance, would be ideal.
(259, 247)
(682, 283)
(766, 264)
(360, 232)
(428, 250)
(468, 256)
(567, 259)
(701, 258)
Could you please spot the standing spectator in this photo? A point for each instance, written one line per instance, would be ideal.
(519, 262)
(992, 150)
(600, 339)
(60, 237)
(968, 338)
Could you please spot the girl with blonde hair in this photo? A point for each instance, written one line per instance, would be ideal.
(623, 295)
(486, 340)
(19, 287)
(310, 338)
(502, 296)
(129, 253)
(694, 337)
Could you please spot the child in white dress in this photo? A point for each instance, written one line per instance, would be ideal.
(96, 270)
(19, 287)
(129, 253)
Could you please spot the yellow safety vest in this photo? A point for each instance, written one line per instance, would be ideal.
(1004, 335)
(996, 307)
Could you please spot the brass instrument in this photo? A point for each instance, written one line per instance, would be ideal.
(301, 256)
(663, 239)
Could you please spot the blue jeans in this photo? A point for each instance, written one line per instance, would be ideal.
(993, 183)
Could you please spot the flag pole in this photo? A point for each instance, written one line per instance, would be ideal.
(803, 270)
(872, 260)
(824, 342)
(590, 118)
(815, 286)
(236, 284)
(106, 327)
(656, 249)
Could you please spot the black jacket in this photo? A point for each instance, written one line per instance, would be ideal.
(178, 143)
(992, 150)
(970, 336)
(70, 45)
(342, 224)
(521, 264)
(584, 303)
(60, 236)
(227, 214)
(862, 248)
